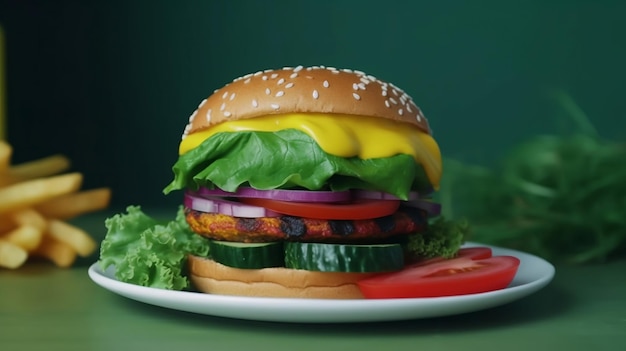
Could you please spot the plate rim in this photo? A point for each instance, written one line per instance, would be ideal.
(300, 310)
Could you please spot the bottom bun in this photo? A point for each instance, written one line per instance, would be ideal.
(212, 277)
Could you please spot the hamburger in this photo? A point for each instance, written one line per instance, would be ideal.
(305, 181)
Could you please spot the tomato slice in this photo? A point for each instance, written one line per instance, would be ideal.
(474, 253)
(457, 276)
(358, 209)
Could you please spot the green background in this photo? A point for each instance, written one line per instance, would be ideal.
(112, 83)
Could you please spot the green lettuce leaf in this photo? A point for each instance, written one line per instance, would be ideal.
(147, 253)
(289, 159)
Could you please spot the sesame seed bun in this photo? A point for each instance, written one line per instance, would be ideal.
(212, 277)
(306, 90)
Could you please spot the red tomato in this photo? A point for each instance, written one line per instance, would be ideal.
(457, 276)
(474, 253)
(359, 209)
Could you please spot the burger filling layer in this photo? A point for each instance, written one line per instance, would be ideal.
(292, 159)
(343, 136)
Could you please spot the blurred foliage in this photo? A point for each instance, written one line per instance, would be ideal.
(562, 197)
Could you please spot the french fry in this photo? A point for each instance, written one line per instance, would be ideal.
(24, 194)
(43, 167)
(74, 204)
(56, 251)
(26, 236)
(5, 156)
(11, 255)
(72, 236)
(29, 217)
(35, 201)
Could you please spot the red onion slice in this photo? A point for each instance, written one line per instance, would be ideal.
(380, 195)
(433, 208)
(230, 208)
(281, 194)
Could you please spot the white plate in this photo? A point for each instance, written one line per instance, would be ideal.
(534, 273)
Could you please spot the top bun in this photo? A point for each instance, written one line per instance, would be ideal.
(314, 89)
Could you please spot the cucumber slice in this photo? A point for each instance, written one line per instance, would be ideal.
(247, 255)
(343, 257)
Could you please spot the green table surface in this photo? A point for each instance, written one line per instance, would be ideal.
(46, 308)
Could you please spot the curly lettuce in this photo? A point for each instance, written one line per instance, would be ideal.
(289, 159)
(149, 253)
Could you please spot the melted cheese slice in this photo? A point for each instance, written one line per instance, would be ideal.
(343, 136)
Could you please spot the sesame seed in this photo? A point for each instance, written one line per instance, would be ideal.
(287, 68)
(267, 91)
(309, 68)
(387, 103)
(274, 75)
(400, 112)
(201, 103)
(392, 85)
(365, 80)
(258, 73)
(293, 75)
(275, 106)
(315, 94)
(334, 71)
(331, 68)
(246, 81)
(280, 93)
(355, 86)
(288, 85)
(361, 73)
(356, 96)
(371, 77)
(393, 101)
(267, 71)
(247, 76)
(280, 81)
(361, 86)
(224, 95)
(227, 114)
(325, 84)
(419, 118)
(408, 108)
(255, 103)
(394, 91)
(347, 70)
(384, 92)
(264, 77)
(193, 115)
(208, 115)
(223, 106)
(298, 69)
(232, 96)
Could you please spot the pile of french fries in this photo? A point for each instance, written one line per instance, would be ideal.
(36, 200)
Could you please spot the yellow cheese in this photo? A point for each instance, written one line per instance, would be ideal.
(342, 135)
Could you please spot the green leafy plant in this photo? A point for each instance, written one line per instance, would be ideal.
(148, 252)
(562, 197)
